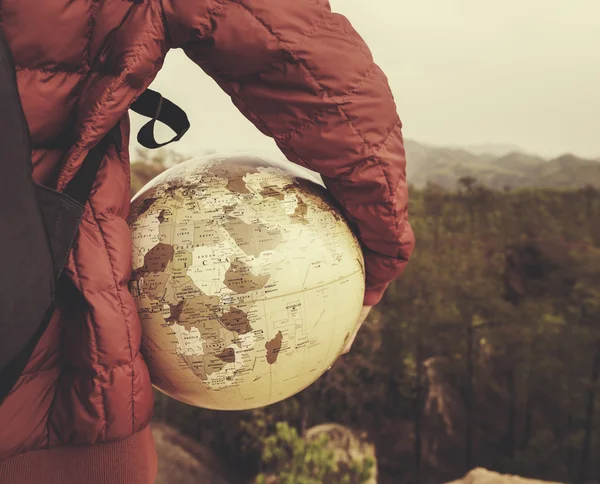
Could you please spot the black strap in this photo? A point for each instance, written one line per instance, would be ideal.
(151, 104)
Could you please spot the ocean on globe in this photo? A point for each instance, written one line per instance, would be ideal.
(247, 278)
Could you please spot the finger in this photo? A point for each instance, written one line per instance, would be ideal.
(348, 346)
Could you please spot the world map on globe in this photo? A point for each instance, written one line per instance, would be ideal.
(247, 279)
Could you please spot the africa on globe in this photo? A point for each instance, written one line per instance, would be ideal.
(247, 279)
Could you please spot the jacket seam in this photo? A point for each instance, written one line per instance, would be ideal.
(92, 375)
(392, 194)
(212, 11)
(122, 307)
(163, 16)
(315, 26)
(119, 366)
(320, 115)
(95, 342)
(120, 286)
(313, 120)
(94, 7)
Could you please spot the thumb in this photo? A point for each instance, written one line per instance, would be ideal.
(350, 342)
(361, 319)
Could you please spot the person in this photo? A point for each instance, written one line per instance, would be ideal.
(81, 410)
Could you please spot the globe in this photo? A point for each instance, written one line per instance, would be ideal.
(247, 278)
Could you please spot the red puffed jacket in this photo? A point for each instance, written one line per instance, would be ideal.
(80, 413)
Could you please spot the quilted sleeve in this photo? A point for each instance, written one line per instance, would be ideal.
(304, 77)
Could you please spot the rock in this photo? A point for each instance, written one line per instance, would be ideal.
(443, 419)
(181, 460)
(483, 476)
(346, 444)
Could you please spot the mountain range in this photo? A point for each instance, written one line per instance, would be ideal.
(498, 167)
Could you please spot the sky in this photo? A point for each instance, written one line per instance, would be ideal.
(463, 72)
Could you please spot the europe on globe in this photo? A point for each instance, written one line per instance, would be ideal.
(247, 278)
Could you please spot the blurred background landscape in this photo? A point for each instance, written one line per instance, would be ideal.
(486, 352)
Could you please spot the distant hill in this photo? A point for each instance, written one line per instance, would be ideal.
(494, 149)
(445, 166)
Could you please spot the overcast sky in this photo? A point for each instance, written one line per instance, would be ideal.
(524, 72)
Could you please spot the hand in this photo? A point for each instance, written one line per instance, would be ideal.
(364, 312)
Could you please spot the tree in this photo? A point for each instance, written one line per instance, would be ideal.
(290, 459)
